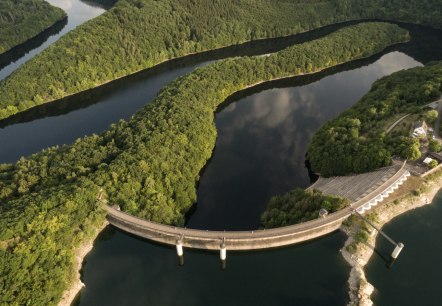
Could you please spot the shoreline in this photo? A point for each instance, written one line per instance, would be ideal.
(82, 251)
(360, 290)
(339, 25)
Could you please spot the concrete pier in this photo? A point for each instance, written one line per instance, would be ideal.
(223, 252)
(180, 251)
(397, 250)
(179, 248)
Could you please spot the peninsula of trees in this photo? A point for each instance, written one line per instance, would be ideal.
(148, 165)
(138, 34)
(357, 141)
(21, 20)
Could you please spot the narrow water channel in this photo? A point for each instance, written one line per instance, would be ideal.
(77, 11)
(93, 111)
(263, 138)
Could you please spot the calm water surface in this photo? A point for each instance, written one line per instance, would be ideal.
(123, 270)
(415, 278)
(263, 138)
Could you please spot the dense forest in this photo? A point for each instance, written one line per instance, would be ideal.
(149, 165)
(20, 20)
(299, 205)
(138, 34)
(356, 141)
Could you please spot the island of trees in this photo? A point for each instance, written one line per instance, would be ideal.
(148, 165)
(298, 206)
(21, 20)
(138, 34)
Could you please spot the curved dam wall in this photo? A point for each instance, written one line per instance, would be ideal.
(241, 240)
(253, 240)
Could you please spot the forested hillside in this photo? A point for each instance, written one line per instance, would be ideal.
(20, 20)
(425, 12)
(356, 141)
(149, 165)
(138, 34)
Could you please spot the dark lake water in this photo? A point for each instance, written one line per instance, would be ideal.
(262, 138)
(415, 276)
(124, 270)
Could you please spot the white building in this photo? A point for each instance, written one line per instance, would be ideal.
(420, 129)
(427, 160)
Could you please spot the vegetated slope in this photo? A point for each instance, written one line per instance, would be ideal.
(138, 34)
(20, 20)
(149, 164)
(356, 141)
(424, 12)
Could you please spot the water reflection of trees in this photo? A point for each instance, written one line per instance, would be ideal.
(19, 51)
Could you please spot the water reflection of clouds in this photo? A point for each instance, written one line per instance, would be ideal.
(270, 109)
(386, 65)
(274, 107)
(63, 4)
(277, 123)
(263, 138)
(77, 11)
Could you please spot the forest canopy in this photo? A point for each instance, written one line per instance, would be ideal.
(298, 206)
(356, 140)
(138, 34)
(20, 20)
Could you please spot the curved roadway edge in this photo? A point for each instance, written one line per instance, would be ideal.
(251, 240)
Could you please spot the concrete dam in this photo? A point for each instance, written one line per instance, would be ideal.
(365, 191)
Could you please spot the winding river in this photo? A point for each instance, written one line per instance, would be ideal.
(77, 12)
(262, 137)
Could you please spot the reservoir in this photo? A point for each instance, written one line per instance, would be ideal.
(262, 139)
(260, 151)
(415, 277)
